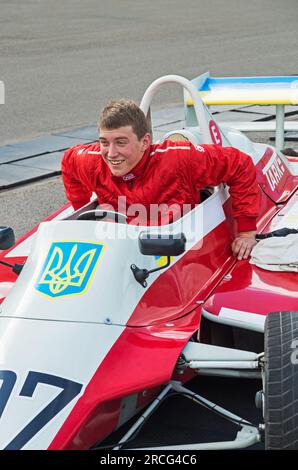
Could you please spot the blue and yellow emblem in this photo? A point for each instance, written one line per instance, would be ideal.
(162, 260)
(69, 268)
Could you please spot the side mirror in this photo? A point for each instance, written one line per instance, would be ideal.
(7, 238)
(157, 244)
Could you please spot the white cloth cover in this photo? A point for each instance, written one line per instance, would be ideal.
(277, 253)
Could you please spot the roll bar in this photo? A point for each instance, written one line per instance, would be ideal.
(189, 86)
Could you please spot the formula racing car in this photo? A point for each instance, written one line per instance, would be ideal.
(101, 321)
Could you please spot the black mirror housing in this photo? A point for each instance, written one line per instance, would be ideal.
(159, 244)
(7, 238)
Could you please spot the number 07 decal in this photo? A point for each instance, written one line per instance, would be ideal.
(69, 388)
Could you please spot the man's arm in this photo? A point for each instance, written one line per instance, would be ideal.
(76, 191)
(226, 164)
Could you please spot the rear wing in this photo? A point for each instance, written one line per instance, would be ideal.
(276, 90)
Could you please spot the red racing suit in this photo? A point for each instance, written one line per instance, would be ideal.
(169, 174)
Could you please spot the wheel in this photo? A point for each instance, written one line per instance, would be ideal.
(281, 381)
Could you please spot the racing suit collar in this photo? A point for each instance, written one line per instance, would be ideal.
(136, 171)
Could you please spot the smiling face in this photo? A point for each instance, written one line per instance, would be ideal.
(121, 149)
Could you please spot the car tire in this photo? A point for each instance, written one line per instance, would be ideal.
(281, 381)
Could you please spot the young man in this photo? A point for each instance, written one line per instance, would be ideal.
(125, 163)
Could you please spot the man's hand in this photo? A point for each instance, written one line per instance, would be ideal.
(243, 244)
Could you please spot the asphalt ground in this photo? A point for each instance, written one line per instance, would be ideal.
(61, 62)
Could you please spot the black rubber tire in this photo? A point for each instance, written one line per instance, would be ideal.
(281, 381)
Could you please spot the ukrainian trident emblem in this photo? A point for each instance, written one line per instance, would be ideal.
(69, 268)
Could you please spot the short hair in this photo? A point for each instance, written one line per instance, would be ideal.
(121, 113)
